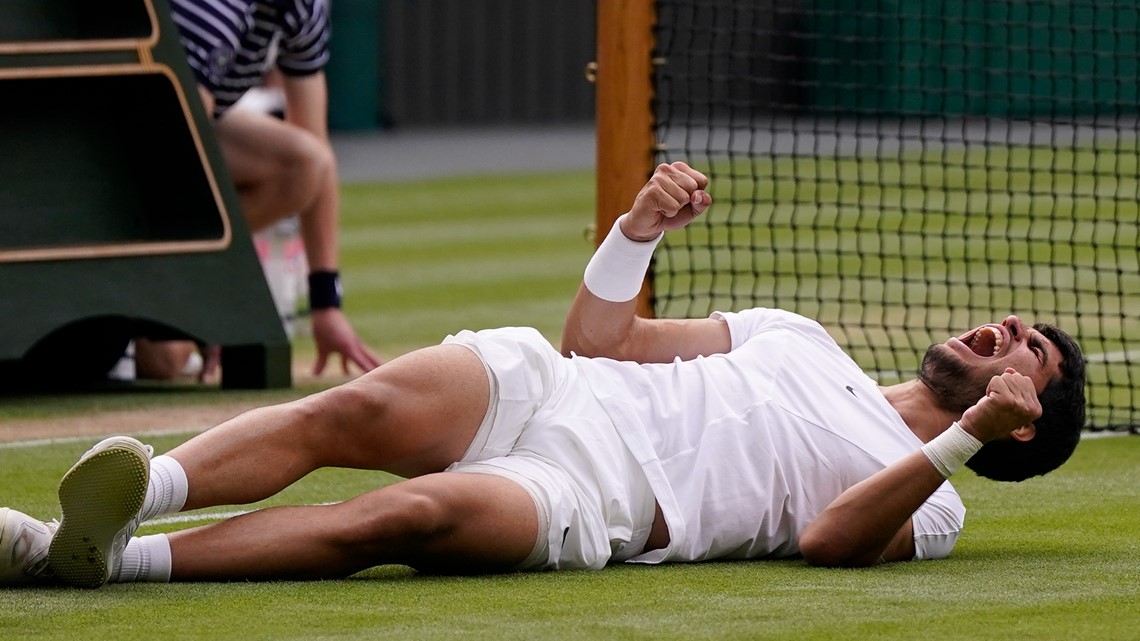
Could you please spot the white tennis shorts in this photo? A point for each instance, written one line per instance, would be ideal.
(546, 431)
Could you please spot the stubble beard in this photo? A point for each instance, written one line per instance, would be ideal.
(955, 385)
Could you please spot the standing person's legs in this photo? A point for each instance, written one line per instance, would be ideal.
(278, 169)
(281, 170)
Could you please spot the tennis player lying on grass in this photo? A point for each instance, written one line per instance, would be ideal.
(742, 435)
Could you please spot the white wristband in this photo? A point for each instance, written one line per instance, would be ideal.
(950, 450)
(617, 268)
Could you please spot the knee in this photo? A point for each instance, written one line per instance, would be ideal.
(410, 525)
(311, 161)
(350, 406)
(419, 516)
(346, 426)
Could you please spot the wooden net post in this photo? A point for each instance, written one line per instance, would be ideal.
(624, 103)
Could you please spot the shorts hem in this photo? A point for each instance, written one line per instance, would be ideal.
(539, 557)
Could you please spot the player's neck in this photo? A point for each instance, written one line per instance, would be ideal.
(918, 407)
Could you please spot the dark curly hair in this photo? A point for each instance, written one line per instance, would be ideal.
(1057, 431)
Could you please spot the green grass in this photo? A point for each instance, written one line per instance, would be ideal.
(1051, 558)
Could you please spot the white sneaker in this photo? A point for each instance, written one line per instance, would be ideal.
(100, 498)
(24, 545)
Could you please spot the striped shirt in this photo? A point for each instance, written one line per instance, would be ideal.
(230, 44)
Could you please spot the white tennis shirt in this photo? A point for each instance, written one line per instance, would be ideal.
(744, 449)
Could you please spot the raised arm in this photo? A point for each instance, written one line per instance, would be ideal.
(871, 521)
(602, 320)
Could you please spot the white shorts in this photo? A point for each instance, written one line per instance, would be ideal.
(546, 431)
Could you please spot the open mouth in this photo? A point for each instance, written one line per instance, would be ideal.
(986, 342)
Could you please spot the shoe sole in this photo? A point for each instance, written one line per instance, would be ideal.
(98, 497)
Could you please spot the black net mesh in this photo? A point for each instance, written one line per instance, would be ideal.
(905, 171)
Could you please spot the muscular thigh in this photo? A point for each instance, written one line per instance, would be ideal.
(448, 523)
(254, 144)
(414, 415)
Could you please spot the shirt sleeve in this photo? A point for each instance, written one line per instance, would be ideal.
(938, 523)
(304, 46)
(748, 323)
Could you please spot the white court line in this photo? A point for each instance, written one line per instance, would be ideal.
(95, 438)
(194, 518)
(175, 519)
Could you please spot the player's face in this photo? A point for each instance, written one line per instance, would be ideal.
(960, 369)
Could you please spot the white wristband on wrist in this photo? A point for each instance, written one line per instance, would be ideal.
(950, 450)
(617, 268)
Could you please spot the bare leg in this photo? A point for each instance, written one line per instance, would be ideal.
(279, 170)
(277, 167)
(414, 415)
(458, 523)
(162, 360)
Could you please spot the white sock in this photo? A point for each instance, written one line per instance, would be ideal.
(146, 558)
(166, 492)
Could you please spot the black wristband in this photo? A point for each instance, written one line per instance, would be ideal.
(324, 290)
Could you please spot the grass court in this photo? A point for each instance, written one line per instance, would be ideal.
(1050, 558)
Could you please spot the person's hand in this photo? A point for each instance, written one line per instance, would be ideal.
(333, 335)
(1010, 402)
(674, 196)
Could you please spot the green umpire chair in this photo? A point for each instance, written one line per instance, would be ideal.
(117, 218)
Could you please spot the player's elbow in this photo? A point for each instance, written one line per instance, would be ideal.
(819, 551)
(588, 341)
(828, 550)
(575, 343)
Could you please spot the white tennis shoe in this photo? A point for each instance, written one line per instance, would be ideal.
(100, 498)
(24, 543)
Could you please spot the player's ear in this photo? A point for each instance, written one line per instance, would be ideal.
(1024, 433)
